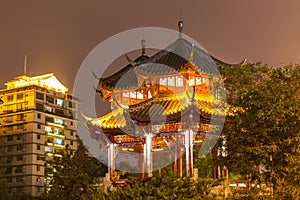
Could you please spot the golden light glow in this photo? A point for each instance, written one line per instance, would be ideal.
(48, 81)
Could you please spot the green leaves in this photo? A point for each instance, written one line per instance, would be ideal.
(164, 187)
(267, 131)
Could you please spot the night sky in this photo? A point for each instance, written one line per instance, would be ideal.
(58, 35)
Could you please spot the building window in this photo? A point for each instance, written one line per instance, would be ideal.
(48, 108)
(140, 95)
(49, 119)
(19, 157)
(9, 179)
(38, 157)
(39, 96)
(133, 95)
(19, 179)
(125, 94)
(10, 98)
(20, 117)
(8, 170)
(60, 102)
(39, 126)
(9, 159)
(19, 169)
(49, 99)
(163, 81)
(71, 133)
(48, 149)
(38, 136)
(20, 126)
(38, 147)
(19, 107)
(8, 119)
(10, 138)
(19, 96)
(171, 81)
(71, 143)
(39, 115)
(71, 123)
(70, 104)
(192, 81)
(9, 148)
(38, 168)
(39, 106)
(58, 121)
(59, 111)
(9, 128)
(19, 147)
(179, 81)
(19, 137)
(58, 141)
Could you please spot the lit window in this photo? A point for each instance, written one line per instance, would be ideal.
(10, 98)
(149, 95)
(48, 108)
(48, 149)
(60, 102)
(58, 141)
(140, 95)
(19, 96)
(58, 121)
(163, 81)
(20, 117)
(125, 94)
(198, 80)
(20, 126)
(132, 94)
(19, 106)
(179, 81)
(192, 81)
(171, 81)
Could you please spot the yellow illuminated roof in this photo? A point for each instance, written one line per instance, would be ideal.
(48, 81)
(172, 105)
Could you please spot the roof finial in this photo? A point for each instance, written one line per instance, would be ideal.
(180, 28)
(25, 64)
(143, 42)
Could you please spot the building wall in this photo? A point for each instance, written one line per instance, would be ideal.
(36, 124)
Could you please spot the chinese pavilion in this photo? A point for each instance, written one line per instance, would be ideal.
(162, 107)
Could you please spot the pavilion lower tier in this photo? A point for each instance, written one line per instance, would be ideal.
(156, 147)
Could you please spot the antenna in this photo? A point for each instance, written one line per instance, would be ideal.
(180, 14)
(25, 64)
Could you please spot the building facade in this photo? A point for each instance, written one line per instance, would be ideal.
(37, 119)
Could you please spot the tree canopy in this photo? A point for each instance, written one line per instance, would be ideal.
(263, 134)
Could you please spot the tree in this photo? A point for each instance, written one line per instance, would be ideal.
(164, 187)
(264, 127)
(75, 176)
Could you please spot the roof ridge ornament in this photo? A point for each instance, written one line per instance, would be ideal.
(130, 61)
(191, 57)
(180, 28)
